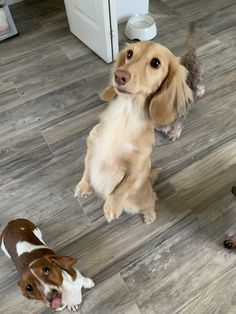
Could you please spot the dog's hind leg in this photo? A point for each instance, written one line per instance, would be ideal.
(115, 202)
(143, 202)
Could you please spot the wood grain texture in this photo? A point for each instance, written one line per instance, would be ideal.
(218, 298)
(180, 269)
(49, 101)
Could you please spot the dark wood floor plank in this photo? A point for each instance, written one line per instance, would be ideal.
(214, 172)
(41, 110)
(193, 10)
(176, 272)
(9, 96)
(49, 86)
(220, 297)
(72, 132)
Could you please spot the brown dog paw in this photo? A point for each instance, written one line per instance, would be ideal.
(233, 190)
(229, 243)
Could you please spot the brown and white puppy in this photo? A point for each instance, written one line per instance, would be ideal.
(150, 84)
(170, 118)
(43, 275)
(231, 242)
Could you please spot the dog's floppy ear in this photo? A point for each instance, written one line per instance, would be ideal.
(65, 262)
(109, 92)
(173, 96)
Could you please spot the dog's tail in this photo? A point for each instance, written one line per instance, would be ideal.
(191, 40)
(192, 64)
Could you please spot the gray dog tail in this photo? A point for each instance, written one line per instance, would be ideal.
(191, 44)
(190, 60)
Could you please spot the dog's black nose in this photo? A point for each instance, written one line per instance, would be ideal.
(121, 77)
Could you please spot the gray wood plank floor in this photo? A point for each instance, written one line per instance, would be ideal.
(49, 100)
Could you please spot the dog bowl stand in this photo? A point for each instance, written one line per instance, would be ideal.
(7, 25)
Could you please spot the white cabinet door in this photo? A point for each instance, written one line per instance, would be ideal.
(95, 23)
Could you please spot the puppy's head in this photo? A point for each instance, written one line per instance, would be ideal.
(151, 70)
(43, 280)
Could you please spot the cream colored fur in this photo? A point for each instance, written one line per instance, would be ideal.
(117, 164)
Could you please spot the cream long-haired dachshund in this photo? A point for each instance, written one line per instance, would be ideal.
(150, 84)
(172, 127)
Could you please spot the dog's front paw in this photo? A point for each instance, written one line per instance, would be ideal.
(83, 189)
(229, 243)
(200, 90)
(149, 217)
(73, 308)
(112, 210)
(174, 134)
(88, 283)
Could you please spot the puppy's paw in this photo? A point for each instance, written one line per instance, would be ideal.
(229, 243)
(165, 129)
(200, 90)
(233, 190)
(88, 283)
(149, 217)
(73, 308)
(174, 134)
(112, 210)
(83, 189)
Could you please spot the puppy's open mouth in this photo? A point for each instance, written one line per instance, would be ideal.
(56, 303)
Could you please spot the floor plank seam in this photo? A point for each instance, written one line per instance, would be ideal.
(229, 270)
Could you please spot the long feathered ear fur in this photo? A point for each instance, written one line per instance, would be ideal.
(173, 96)
(109, 92)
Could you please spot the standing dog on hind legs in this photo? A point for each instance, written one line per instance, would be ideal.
(150, 84)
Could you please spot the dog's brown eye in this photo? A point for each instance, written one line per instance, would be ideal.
(46, 270)
(129, 54)
(29, 288)
(155, 63)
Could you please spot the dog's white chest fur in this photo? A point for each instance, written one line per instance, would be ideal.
(71, 289)
(121, 126)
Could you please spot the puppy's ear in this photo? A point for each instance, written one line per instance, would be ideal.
(109, 93)
(173, 96)
(65, 262)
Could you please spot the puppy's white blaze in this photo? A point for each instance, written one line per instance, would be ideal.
(46, 287)
(4, 249)
(26, 247)
(38, 234)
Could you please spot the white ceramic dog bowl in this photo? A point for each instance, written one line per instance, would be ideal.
(141, 27)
